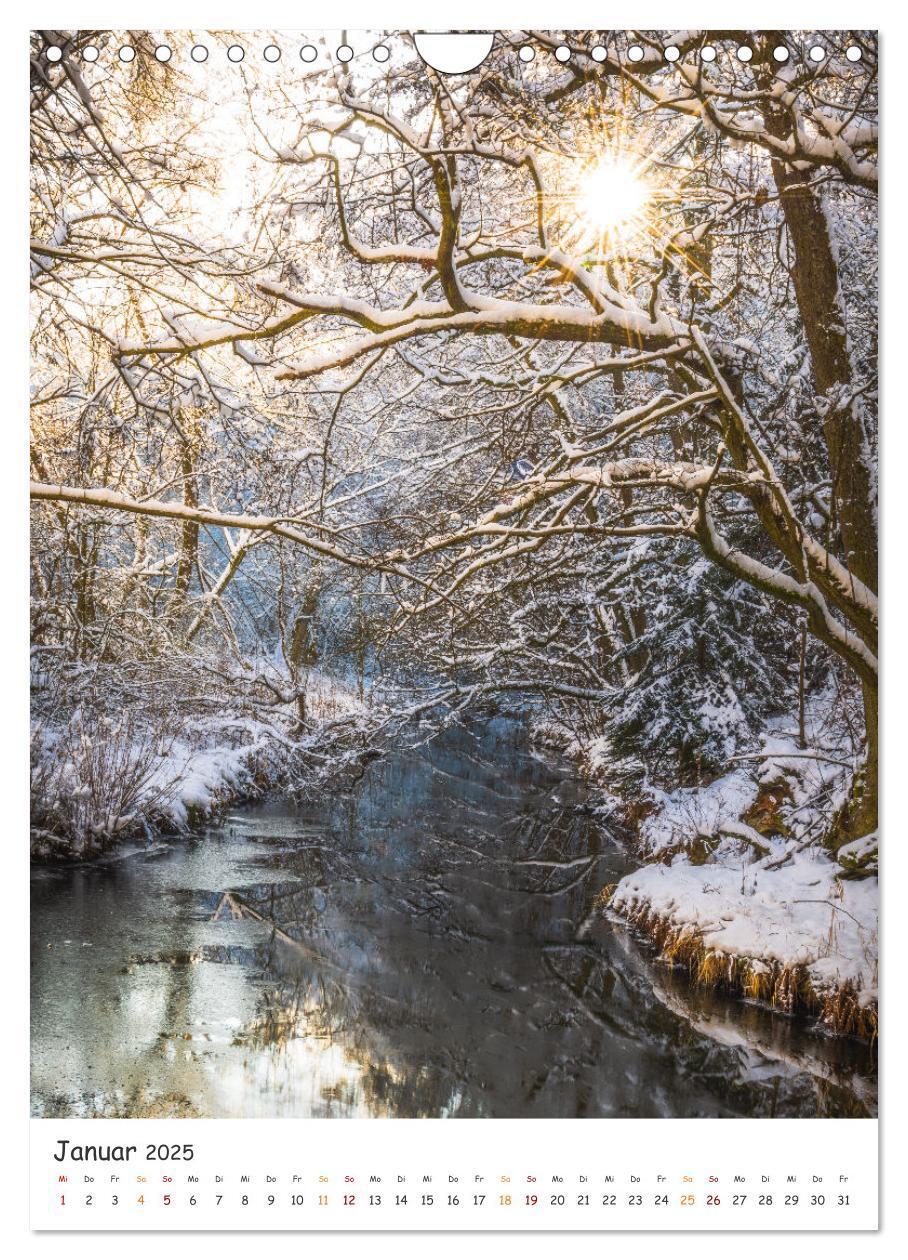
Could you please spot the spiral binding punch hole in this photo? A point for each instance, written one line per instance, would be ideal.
(450, 52)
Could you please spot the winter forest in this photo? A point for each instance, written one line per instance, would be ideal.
(453, 572)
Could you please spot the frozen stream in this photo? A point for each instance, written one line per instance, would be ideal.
(422, 947)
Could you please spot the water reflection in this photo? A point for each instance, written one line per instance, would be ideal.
(423, 946)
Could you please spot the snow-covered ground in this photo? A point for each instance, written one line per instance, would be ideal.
(737, 885)
(238, 756)
(99, 779)
(741, 891)
(794, 935)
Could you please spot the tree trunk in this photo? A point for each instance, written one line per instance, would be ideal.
(189, 534)
(815, 275)
(860, 814)
(816, 283)
(303, 652)
(816, 280)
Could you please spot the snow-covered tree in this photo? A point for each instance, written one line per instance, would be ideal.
(561, 375)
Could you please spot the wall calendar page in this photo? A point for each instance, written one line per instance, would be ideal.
(453, 561)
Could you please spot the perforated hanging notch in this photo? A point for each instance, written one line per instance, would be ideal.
(454, 52)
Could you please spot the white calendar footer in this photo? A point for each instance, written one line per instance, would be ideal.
(453, 1174)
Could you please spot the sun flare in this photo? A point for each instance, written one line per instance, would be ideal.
(604, 205)
(611, 194)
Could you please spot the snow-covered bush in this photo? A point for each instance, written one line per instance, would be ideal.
(96, 777)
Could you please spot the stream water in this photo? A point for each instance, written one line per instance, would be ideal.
(426, 945)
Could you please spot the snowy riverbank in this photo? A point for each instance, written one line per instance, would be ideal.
(796, 936)
(100, 780)
(739, 889)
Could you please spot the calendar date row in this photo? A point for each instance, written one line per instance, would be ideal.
(147, 1199)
